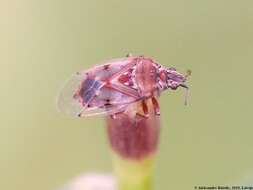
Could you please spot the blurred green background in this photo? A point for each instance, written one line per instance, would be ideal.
(42, 43)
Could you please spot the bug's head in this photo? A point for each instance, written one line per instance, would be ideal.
(176, 79)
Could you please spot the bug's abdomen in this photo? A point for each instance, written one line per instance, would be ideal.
(146, 77)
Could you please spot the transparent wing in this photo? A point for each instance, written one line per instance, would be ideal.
(109, 68)
(108, 110)
(107, 102)
(97, 99)
(85, 94)
(69, 101)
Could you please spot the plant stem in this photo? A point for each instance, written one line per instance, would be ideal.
(134, 174)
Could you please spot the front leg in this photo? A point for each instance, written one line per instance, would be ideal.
(156, 106)
(144, 109)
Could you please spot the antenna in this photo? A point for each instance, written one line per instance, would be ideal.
(186, 96)
(186, 93)
(188, 73)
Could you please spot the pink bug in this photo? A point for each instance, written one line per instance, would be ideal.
(109, 88)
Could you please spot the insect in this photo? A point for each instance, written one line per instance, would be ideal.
(109, 88)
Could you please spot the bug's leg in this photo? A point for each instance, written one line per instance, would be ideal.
(145, 108)
(129, 55)
(157, 92)
(144, 113)
(80, 113)
(113, 116)
(156, 106)
(75, 96)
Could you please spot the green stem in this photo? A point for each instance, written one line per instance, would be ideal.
(134, 174)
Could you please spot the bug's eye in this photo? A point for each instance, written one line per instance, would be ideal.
(163, 76)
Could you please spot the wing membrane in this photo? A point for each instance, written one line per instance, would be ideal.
(68, 100)
(86, 94)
